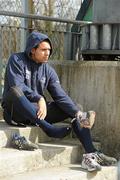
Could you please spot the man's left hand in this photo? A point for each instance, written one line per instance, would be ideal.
(42, 109)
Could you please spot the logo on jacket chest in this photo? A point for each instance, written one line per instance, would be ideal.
(28, 74)
(42, 80)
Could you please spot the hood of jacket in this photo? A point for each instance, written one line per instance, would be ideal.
(34, 39)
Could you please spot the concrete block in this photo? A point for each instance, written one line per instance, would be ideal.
(69, 172)
(14, 161)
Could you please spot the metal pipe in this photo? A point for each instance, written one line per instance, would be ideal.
(46, 18)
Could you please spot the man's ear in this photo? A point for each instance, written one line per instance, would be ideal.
(32, 51)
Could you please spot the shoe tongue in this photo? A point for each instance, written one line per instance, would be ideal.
(84, 115)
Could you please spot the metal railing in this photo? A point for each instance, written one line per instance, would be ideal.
(58, 29)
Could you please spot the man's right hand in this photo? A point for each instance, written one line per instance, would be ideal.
(42, 109)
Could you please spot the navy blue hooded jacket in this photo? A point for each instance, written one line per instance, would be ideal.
(34, 78)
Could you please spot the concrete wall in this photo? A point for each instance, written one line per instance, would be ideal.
(96, 85)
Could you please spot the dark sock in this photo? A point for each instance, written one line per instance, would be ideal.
(84, 136)
(52, 131)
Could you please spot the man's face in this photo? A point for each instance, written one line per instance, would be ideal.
(42, 53)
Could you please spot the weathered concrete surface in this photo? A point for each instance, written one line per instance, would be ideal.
(69, 172)
(51, 153)
(13, 161)
(96, 85)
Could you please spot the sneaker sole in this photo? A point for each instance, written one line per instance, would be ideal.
(92, 169)
(91, 118)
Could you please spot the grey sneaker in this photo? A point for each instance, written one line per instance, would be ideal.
(21, 143)
(103, 159)
(89, 163)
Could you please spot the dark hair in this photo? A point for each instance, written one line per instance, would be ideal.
(36, 46)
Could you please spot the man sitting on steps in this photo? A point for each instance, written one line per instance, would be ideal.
(27, 76)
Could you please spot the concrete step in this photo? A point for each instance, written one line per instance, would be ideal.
(54, 154)
(13, 161)
(68, 172)
(50, 154)
(34, 134)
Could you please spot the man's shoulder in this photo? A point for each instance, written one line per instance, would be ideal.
(18, 57)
